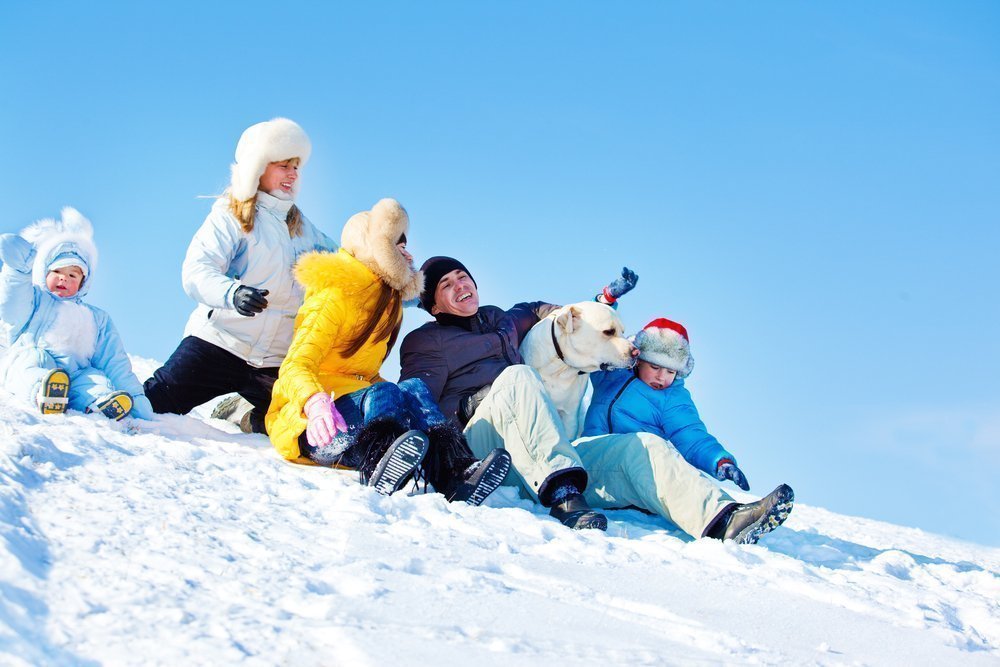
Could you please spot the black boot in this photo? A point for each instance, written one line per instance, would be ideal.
(390, 454)
(747, 523)
(480, 479)
(574, 512)
(456, 473)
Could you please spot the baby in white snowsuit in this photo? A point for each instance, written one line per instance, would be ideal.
(61, 352)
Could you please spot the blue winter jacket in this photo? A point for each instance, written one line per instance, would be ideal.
(622, 403)
(28, 313)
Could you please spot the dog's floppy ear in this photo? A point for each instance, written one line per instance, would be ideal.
(568, 320)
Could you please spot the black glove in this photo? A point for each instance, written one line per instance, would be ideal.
(249, 301)
(621, 286)
(728, 470)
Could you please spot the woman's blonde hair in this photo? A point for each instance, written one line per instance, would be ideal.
(245, 209)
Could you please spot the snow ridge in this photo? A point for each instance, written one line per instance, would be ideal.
(182, 541)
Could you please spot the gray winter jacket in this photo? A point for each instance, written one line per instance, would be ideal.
(458, 356)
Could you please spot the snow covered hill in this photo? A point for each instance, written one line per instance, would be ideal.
(184, 542)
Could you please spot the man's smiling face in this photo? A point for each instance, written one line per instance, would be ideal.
(456, 294)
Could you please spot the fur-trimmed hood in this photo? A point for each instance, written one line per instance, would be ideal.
(371, 238)
(69, 240)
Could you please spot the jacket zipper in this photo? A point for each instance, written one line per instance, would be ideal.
(503, 341)
(503, 348)
(615, 399)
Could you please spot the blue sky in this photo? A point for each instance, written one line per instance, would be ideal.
(811, 188)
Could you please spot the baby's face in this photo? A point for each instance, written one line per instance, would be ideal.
(65, 281)
(655, 376)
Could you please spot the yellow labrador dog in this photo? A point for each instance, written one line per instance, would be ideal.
(570, 343)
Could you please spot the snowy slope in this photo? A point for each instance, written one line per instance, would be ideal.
(182, 541)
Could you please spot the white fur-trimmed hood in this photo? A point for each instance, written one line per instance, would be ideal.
(371, 237)
(73, 233)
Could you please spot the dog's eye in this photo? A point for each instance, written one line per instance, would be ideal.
(609, 332)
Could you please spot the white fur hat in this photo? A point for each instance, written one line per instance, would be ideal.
(271, 141)
(371, 237)
(59, 243)
(665, 343)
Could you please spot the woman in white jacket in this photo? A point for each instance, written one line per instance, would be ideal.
(239, 270)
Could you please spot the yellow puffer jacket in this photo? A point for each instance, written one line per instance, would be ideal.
(340, 294)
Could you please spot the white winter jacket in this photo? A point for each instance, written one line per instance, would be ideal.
(222, 257)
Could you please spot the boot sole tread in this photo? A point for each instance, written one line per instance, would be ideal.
(490, 478)
(403, 457)
(117, 406)
(227, 407)
(771, 519)
(55, 393)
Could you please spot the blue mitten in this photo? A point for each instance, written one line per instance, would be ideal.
(16, 252)
(621, 286)
(728, 470)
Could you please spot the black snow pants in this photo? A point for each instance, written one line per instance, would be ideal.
(198, 371)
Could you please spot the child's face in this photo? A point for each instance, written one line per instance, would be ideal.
(655, 376)
(280, 176)
(65, 281)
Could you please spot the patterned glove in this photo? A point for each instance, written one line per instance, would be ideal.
(324, 420)
(249, 301)
(621, 286)
(728, 470)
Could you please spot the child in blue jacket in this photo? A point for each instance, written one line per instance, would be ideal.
(61, 352)
(652, 398)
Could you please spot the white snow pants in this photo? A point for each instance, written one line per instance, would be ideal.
(638, 469)
(518, 415)
(647, 471)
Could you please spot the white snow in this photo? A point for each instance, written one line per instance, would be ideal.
(184, 542)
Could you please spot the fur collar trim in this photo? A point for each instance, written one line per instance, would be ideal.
(321, 269)
(371, 237)
(73, 332)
